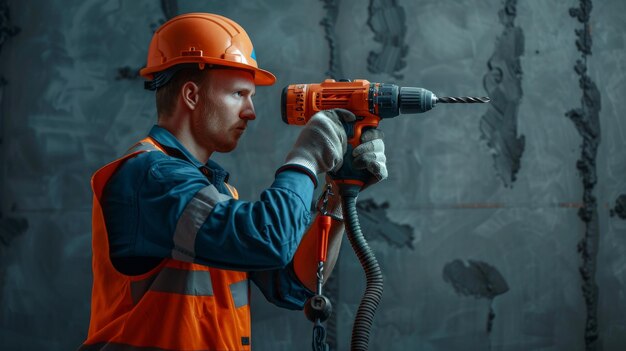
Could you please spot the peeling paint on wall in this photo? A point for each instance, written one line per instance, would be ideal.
(620, 207)
(587, 121)
(478, 279)
(498, 127)
(328, 22)
(378, 227)
(388, 22)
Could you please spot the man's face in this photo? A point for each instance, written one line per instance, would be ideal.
(225, 107)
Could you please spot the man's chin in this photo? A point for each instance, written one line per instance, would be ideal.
(227, 148)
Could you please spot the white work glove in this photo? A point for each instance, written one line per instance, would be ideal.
(370, 156)
(321, 144)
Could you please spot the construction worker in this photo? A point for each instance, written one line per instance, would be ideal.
(173, 247)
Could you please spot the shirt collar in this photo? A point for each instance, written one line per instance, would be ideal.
(175, 148)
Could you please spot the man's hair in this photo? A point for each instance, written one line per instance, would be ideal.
(167, 95)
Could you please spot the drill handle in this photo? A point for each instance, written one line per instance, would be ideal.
(347, 175)
(354, 130)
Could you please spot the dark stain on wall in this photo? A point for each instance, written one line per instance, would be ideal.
(328, 22)
(7, 29)
(478, 279)
(11, 228)
(378, 227)
(127, 72)
(498, 127)
(620, 207)
(587, 122)
(388, 22)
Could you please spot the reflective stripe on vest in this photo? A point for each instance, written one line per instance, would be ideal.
(172, 280)
(239, 291)
(177, 305)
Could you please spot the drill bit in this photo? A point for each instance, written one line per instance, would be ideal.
(462, 99)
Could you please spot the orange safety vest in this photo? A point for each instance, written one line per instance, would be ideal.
(175, 306)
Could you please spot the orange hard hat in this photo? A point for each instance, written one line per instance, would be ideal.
(203, 38)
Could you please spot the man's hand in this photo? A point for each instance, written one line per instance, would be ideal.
(321, 144)
(370, 156)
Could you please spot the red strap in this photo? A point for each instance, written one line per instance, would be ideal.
(323, 225)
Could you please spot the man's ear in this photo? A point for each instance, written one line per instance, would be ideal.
(190, 93)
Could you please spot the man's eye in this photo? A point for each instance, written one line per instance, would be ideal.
(239, 93)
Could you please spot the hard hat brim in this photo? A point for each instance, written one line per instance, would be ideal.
(261, 76)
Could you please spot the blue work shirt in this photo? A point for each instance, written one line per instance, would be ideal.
(144, 200)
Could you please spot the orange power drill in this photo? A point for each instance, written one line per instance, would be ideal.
(370, 102)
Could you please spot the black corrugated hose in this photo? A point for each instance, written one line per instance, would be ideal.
(373, 275)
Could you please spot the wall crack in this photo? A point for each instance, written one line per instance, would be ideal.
(503, 83)
(587, 121)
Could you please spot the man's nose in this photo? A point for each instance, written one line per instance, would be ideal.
(248, 111)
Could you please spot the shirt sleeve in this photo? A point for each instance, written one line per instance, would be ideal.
(159, 206)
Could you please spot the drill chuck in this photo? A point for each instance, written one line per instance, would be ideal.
(393, 100)
(416, 100)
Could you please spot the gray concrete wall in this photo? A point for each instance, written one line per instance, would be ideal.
(480, 238)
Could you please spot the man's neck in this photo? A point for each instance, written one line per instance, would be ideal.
(182, 132)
